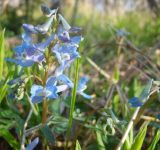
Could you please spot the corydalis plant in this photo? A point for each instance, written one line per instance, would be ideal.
(59, 41)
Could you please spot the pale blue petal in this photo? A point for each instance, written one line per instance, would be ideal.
(65, 24)
(64, 79)
(22, 62)
(36, 99)
(85, 95)
(33, 144)
(62, 88)
(43, 29)
(51, 81)
(82, 83)
(29, 28)
(76, 39)
(35, 88)
(52, 90)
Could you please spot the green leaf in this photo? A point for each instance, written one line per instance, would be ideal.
(101, 145)
(155, 141)
(4, 87)
(116, 75)
(48, 134)
(138, 141)
(9, 138)
(2, 53)
(78, 147)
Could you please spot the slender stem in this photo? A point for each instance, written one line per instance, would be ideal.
(128, 129)
(45, 111)
(45, 103)
(73, 100)
(24, 130)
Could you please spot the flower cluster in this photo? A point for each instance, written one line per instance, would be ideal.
(61, 42)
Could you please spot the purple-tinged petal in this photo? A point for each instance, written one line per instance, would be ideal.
(37, 57)
(64, 37)
(29, 28)
(36, 99)
(33, 144)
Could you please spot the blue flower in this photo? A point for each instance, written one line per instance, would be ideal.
(135, 102)
(65, 53)
(64, 37)
(29, 28)
(82, 86)
(43, 29)
(38, 92)
(27, 54)
(33, 144)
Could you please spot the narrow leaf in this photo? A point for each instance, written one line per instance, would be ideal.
(9, 138)
(78, 147)
(2, 53)
(155, 141)
(101, 145)
(138, 141)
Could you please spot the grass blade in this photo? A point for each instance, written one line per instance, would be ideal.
(2, 53)
(138, 141)
(78, 147)
(73, 100)
(155, 141)
(9, 138)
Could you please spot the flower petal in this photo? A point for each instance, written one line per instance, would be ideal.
(36, 99)
(43, 29)
(64, 79)
(62, 88)
(51, 81)
(22, 62)
(82, 83)
(51, 92)
(35, 88)
(85, 95)
(33, 144)
(29, 28)
(135, 102)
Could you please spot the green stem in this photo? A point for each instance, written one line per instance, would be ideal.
(73, 100)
